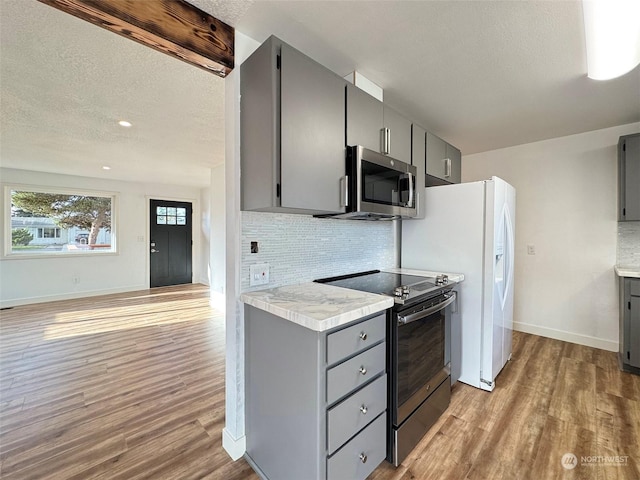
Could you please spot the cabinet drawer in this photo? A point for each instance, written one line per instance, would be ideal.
(349, 375)
(634, 287)
(357, 337)
(353, 414)
(358, 458)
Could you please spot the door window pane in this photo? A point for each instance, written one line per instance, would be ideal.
(171, 220)
(182, 221)
(171, 211)
(161, 210)
(161, 219)
(181, 212)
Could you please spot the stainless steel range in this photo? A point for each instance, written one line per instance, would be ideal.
(418, 351)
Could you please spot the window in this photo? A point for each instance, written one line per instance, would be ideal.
(171, 216)
(58, 222)
(48, 232)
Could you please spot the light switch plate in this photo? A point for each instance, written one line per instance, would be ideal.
(259, 274)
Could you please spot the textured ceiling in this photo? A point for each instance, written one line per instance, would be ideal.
(65, 84)
(481, 74)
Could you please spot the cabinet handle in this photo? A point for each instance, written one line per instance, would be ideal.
(344, 191)
(363, 458)
(447, 167)
(364, 409)
(385, 141)
(363, 335)
(363, 370)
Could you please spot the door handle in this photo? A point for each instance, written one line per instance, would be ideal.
(153, 250)
(447, 167)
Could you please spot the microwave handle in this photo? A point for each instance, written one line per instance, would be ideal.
(344, 191)
(411, 192)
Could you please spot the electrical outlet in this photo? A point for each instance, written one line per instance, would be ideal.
(258, 274)
(531, 249)
(76, 280)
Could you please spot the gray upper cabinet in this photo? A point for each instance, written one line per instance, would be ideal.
(629, 177)
(399, 136)
(365, 119)
(418, 160)
(376, 126)
(292, 132)
(443, 162)
(455, 157)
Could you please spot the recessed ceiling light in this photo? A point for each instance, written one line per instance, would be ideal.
(124, 123)
(106, 167)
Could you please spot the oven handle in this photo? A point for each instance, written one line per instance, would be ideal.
(403, 320)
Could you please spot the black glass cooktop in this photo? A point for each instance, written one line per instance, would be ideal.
(379, 282)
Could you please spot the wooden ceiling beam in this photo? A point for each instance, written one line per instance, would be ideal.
(174, 27)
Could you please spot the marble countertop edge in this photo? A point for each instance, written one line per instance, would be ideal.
(627, 271)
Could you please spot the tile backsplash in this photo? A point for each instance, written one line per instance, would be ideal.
(628, 253)
(301, 248)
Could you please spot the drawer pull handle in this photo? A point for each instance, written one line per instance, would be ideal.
(363, 370)
(363, 335)
(363, 409)
(363, 458)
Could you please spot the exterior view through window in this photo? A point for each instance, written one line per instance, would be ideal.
(46, 222)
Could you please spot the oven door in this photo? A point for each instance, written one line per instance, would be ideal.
(420, 360)
(383, 185)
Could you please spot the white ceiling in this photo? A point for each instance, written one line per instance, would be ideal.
(481, 74)
(66, 83)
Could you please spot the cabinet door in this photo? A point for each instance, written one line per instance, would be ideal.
(400, 135)
(455, 157)
(436, 154)
(312, 134)
(418, 160)
(634, 332)
(630, 178)
(364, 119)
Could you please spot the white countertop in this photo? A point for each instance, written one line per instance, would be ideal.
(632, 272)
(317, 306)
(320, 307)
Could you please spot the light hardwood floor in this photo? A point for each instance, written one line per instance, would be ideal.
(131, 386)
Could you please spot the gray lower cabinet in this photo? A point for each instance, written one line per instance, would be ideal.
(377, 126)
(629, 177)
(444, 162)
(292, 132)
(630, 324)
(316, 402)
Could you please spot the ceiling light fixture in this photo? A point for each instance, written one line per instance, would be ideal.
(612, 33)
(124, 123)
(106, 167)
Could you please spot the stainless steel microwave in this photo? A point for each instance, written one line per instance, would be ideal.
(377, 187)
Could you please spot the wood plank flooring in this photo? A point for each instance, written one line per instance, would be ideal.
(131, 386)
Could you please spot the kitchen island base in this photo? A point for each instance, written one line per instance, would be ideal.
(298, 388)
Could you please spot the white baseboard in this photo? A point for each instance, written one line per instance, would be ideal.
(234, 447)
(69, 296)
(570, 337)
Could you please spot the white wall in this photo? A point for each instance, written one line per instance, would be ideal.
(33, 280)
(233, 435)
(217, 254)
(566, 207)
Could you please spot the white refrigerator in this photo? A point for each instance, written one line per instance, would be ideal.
(469, 229)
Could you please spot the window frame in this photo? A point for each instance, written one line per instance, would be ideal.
(7, 250)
